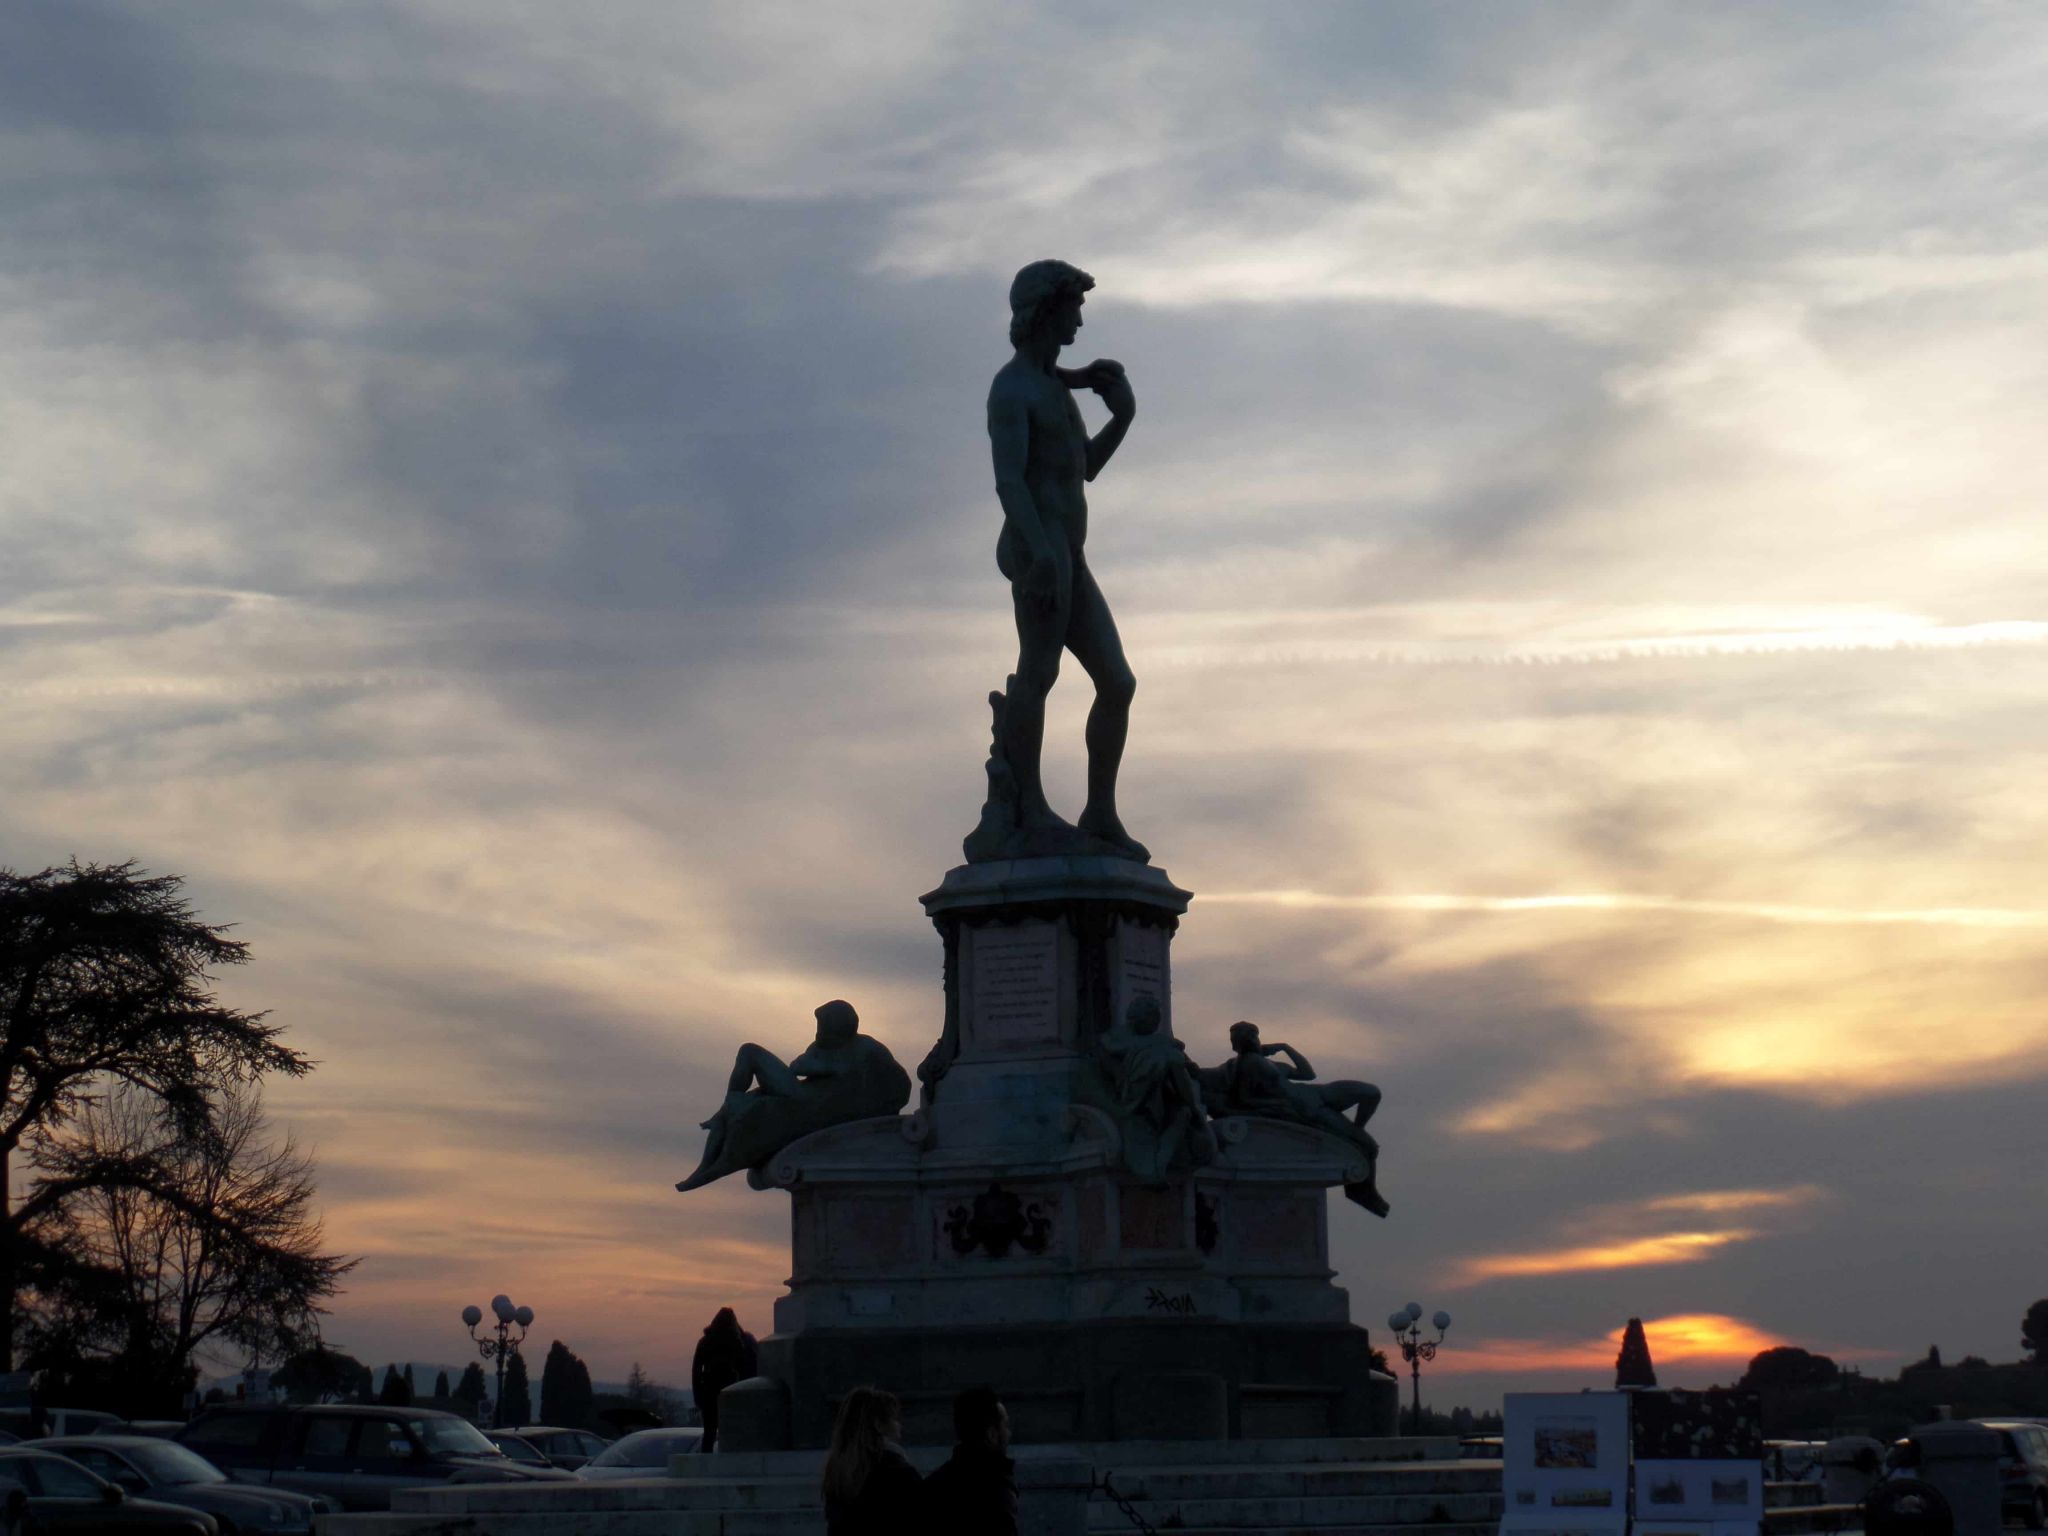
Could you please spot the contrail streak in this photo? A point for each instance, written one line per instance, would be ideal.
(1609, 901)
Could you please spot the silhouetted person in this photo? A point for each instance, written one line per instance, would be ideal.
(870, 1487)
(725, 1354)
(975, 1492)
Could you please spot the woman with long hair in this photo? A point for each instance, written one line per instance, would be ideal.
(870, 1487)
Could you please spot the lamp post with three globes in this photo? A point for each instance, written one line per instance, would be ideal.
(497, 1349)
(1415, 1348)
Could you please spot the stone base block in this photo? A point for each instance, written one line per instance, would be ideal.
(753, 1415)
(1084, 1382)
(1171, 1405)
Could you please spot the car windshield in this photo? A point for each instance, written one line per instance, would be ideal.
(173, 1465)
(452, 1437)
(643, 1448)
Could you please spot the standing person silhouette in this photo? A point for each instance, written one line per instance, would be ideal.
(725, 1354)
(1043, 457)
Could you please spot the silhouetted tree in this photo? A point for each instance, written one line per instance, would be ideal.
(104, 973)
(566, 1397)
(210, 1242)
(2034, 1331)
(471, 1391)
(1632, 1367)
(1931, 1361)
(319, 1375)
(397, 1391)
(1788, 1368)
(641, 1391)
(517, 1408)
(440, 1386)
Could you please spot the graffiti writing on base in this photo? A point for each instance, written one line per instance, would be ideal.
(1157, 1300)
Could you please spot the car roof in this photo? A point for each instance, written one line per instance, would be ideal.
(118, 1442)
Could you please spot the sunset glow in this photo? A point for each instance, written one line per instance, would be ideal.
(503, 507)
(1708, 1339)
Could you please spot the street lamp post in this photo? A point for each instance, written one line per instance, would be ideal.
(1415, 1348)
(504, 1344)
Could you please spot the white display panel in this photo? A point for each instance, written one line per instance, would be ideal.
(1564, 1463)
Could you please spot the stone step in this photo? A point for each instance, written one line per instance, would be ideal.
(1176, 1453)
(1315, 1480)
(648, 1493)
(1488, 1529)
(726, 1465)
(1273, 1511)
(1804, 1519)
(579, 1522)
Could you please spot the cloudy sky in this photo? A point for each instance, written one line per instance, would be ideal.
(496, 496)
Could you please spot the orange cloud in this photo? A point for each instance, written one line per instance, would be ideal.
(1631, 1253)
(1717, 1201)
(1692, 1337)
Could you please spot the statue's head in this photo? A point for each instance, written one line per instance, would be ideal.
(1142, 1016)
(1038, 293)
(1244, 1036)
(837, 1022)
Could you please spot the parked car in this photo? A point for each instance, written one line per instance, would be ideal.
(2022, 1470)
(517, 1448)
(173, 1474)
(354, 1454)
(25, 1422)
(644, 1453)
(57, 1494)
(566, 1448)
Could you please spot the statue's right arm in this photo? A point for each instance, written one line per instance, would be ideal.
(1009, 440)
(1299, 1069)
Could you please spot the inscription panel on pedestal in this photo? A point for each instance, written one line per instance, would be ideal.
(1013, 986)
(1278, 1228)
(1141, 971)
(1153, 1220)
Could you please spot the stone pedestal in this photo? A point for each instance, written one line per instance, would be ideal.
(994, 1237)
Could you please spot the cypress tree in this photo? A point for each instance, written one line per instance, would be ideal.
(1632, 1368)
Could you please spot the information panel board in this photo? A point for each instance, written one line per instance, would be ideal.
(1564, 1463)
(1699, 1463)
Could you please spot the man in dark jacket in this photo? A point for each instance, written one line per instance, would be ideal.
(975, 1492)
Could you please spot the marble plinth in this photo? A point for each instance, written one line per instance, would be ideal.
(996, 1236)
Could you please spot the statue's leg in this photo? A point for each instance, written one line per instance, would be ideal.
(757, 1064)
(1348, 1093)
(1092, 637)
(1039, 633)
